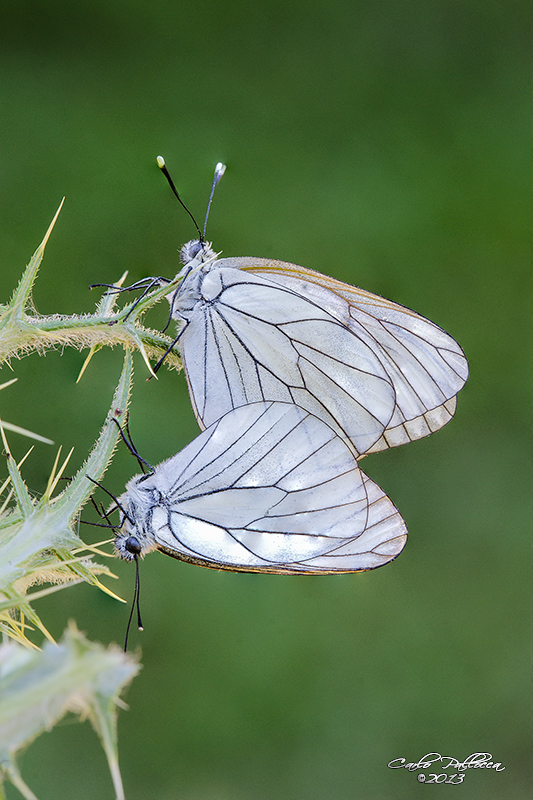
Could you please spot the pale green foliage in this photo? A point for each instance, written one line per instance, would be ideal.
(37, 688)
(38, 538)
(39, 542)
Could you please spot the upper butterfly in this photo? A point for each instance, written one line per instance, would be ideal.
(254, 329)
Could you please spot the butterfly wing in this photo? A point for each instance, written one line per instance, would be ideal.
(425, 365)
(249, 339)
(271, 488)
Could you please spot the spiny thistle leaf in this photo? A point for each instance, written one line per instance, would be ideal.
(37, 688)
(22, 294)
(38, 541)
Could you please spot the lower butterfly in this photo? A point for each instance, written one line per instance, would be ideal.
(252, 329)
(266, 488)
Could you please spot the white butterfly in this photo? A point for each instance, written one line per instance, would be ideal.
(253, 329)
(266, 488)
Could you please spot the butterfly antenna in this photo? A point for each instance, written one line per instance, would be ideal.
(102, 513)
(135, 604)
(162, 166)
(98, 525)
(219, 172)
(112, 496)
(131, 447)
(100, 510)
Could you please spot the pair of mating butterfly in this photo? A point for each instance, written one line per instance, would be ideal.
(293, 377)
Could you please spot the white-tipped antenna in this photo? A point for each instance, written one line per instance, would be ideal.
(219, 171)
(162, 166)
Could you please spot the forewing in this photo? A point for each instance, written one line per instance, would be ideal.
(271, 488)
(250, 339)
(425, 365)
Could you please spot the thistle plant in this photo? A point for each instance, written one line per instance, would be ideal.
(38, 687)
(39, 541)
(38, 538)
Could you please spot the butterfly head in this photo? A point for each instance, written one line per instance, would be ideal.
(195, 253)
(134, 537)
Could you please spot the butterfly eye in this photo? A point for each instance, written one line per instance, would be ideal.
(132, 545)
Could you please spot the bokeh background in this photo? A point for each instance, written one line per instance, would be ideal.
(379, 141)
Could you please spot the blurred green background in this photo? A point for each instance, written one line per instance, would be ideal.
(379, 141)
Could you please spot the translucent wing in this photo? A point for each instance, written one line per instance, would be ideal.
(248, 339)
(267, 488)
(424, 364)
